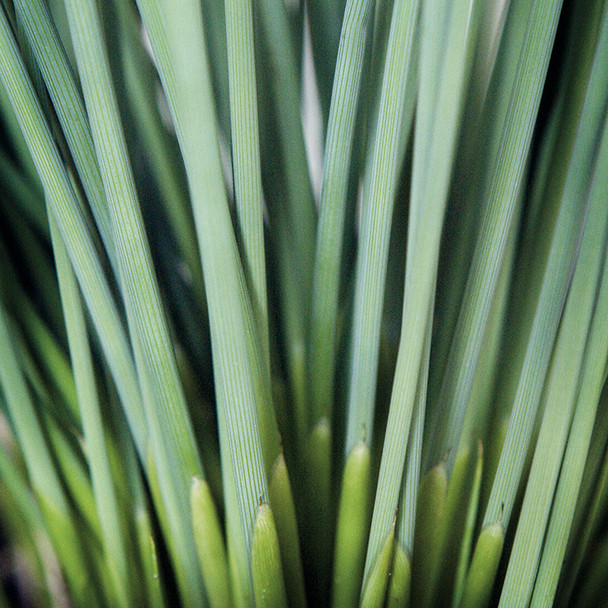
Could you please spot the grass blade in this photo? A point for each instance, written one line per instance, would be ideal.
(561, 388)
(268, 585)
(167, 415)
(243, 400)
(437, 126)
(491, 244)
(60, 82)
(338, 152)
(246, 158)
(101, 476)
(593, 376)
(375, 229)
(563, 253)
(62, 200)
(45, 481)
(353, 526)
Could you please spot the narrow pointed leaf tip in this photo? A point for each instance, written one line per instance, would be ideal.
(377, 583)
(210, 545)
(353, 527)
(483, 568)
(266, 571)
(400, 580)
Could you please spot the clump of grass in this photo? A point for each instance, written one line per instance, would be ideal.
(217, 390)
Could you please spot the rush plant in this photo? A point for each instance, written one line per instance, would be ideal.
(303, 303)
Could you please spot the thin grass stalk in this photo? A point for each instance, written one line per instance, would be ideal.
(383, 16)
(136, 512)
(371, 268)
(27, 54)
(411, 477)
(72, 469)
(464, 209)
(590, 503)
(406, 515)
(246, 161)
(289, 196)
(579, 439)
(128, 479)
(564, 249)
(171, 505)
(338, 154)
(593, 482)
(440, 84)
(149, 559)
(478, 418)
(140, 289)
(376, 588)
(166, 408)
(561, 389)
(214, 17)
(44, 478)
(101, 476)
(336, 162)
(248, 192)
(464, 556)
(62, 200)
(492, 240)
(241, 590)
(589, 516)
(435, 586)
(299, 201)
(54, 369)
(375, 228)
(178, 43)
(543, 206)
(141, 83)
(39, 386)
(67, 101)
(292, 317)
(54, 365)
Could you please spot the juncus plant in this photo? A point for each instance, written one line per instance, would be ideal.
(241, 369)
